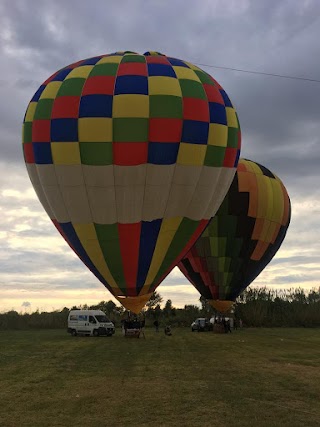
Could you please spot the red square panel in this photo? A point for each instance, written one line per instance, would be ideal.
(50, 78)
(75, 64)
(130, 153)
(157, 59)
(66, 107)
(230, 157)
(132, 68)
(196, 109)
(41, 131)
(102, 85)
(28, 152)
(239, 140)
(129, 237)
(165, 130)
(215, 82)
(213, 94)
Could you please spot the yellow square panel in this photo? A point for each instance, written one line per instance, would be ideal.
(231, 117)
(271, 230)
(95, 129)
(160, 85)
(262, 190)
(114, 59)
(30, 111)
(130, 106)
(185, 73)
(277, 211)
(218, 135)
(51, 90)
(65, 153)
(191, 154)
(192, 66)
(83, 72)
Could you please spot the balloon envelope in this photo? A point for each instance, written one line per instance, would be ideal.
(131, 155)
(242, 238)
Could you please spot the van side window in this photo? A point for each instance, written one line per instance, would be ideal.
(92, 319)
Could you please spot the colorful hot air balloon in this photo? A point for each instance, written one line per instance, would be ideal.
(242, 238)
(131, 155)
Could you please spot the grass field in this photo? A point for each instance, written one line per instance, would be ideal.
(253, 377)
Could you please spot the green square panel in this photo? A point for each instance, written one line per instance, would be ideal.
(27, 132)
(214, 156)
(166, 106)
(213, 227)
(108, 238)
(107, 69)
(212, 264)
(214, 246)
(43, 109)
(192, 89)
(130, 129)
(96, 153)
(71, 87)
(233, 137)
(133, 58)
(204, 77)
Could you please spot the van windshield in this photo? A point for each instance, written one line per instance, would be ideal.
(102, 319)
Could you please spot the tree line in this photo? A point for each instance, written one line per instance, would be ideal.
(256, 307)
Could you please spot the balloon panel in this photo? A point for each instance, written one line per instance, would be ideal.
(244, 235)
(131, 155)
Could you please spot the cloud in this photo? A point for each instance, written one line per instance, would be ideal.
(279, 120)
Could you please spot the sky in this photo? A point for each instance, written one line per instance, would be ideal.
(279, 119)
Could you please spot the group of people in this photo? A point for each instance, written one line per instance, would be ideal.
(226, 324)
(167, 329)
(133, 326)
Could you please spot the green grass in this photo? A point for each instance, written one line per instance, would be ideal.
(254, 377)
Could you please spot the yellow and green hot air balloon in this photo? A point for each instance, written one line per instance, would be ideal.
(131, 155)
(242, 238)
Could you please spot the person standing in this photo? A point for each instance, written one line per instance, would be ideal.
(156, 325)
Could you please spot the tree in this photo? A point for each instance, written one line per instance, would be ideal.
(169, 310)
(156, 299)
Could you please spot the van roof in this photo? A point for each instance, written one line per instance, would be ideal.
(98, 312)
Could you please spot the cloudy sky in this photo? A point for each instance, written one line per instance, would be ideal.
(279, 119)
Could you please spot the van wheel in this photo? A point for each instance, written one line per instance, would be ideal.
(74, 333)
(96, 333)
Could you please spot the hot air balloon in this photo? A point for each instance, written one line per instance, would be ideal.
(131, 155)
(242, 238)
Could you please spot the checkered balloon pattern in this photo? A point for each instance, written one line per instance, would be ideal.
(243, 237)
(131, 155)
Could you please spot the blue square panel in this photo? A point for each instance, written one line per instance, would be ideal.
(37, 95)
(131, 85)
(42, 153)
(64, 130)
(161, 70)
(61, 75)
(91, 61)
(226, 99)
(177, 62)
(195, 132)
(96, 106)
(162, 153)
(217, 113)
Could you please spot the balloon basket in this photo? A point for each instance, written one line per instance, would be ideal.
(218, 328)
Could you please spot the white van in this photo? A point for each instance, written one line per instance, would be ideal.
(89, 322)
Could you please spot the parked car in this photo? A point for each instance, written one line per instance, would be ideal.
(201, 324)
(89, 322)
